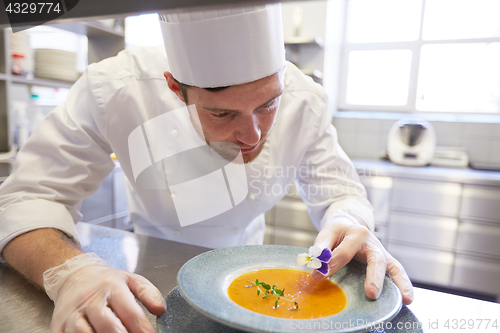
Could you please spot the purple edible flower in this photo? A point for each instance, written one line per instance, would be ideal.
(316, 258)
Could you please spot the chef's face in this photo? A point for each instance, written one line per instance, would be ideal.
(242, 114)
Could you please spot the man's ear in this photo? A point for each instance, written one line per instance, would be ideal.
(172, 85)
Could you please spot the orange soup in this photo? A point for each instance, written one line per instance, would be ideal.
(314, 299)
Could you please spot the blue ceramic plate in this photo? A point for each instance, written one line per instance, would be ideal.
(203, 282)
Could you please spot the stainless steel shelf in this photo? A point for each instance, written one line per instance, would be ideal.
(305, 41)
(40, 82)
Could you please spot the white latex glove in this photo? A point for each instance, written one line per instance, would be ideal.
(348, 239)
(86, 291)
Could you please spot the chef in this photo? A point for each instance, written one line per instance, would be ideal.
(210, 135)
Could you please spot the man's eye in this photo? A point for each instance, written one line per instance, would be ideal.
(220, 115)
(270, 105)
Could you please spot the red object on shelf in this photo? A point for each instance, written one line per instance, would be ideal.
(17, 64)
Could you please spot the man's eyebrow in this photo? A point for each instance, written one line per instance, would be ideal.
(229, 110)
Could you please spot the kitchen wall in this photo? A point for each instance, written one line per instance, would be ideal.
(363, 135)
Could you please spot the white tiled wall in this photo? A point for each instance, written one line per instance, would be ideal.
(365, 137)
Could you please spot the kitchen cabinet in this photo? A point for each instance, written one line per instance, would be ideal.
(108, 206)
(427, 231)
(379, 193)
(475, 273)
(293, 213)
(435, 267)
(288, 222)
(103, 42)
(293, 237)
(481, 203)
(442, 224)
(440, 198)
(478, 238)
(98, 208)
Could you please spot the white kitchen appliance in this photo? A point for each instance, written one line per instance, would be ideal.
(451, 157)
(411, 142)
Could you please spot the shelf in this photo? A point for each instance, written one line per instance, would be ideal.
(314, 73)
(95, 28)
(305, 41)
(40, 82)
(103, 42)
(89, 29)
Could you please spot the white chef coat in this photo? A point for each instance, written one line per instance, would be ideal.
(68, 156)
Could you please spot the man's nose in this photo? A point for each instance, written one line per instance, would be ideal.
(248, 131)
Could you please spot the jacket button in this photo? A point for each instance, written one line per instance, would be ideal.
(175, 132)
(251, 196)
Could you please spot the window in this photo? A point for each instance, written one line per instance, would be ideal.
(143, 30)
(421, 56)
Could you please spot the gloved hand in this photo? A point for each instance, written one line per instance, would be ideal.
(348, 239)
(86, 291)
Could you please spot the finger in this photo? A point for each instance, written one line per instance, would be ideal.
(130, 313)
(103, 319)
(82, 326)
(76, 323)
(147, 294)
(57, 323)
(400, 278)
(375, 273)
(327, 236)
(351, 243)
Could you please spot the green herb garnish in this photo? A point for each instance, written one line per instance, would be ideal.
(270, 291)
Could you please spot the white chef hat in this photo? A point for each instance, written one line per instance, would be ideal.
(223, 47)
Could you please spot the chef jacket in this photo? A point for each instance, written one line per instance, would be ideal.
(68, 156)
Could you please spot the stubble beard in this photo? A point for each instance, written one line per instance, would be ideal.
(223, 149)
(229, 151)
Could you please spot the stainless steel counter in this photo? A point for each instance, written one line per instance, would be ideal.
(470, 176)
(24, 308)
